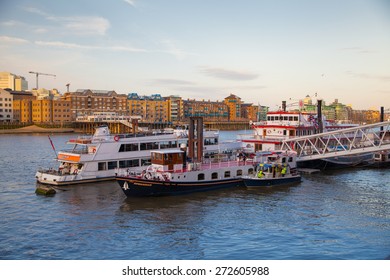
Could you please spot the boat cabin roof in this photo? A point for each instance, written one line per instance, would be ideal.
(168, 151)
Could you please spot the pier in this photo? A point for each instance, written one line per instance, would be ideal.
(344, 142)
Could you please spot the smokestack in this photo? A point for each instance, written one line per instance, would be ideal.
(319, 115)
(284, 106)
(382, 117)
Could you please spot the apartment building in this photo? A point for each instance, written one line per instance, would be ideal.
(209, 110)
(154, 108)
(234, 104)
(85, 102)
(6, 101)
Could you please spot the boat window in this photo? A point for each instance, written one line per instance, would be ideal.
(272, 118)
(290, 118)
(285, 118)
(168, 144)
(128, 147)
(276, 118)
(128, 163)
(102, 166)
(112, 164)
(227, 174)
(239, 172)
(250, 171)
(290, 159)
(145, 161)
(149, 146)
(296, 118)
(214, 175)
(200, 176)
(211, 141)
(283, 160)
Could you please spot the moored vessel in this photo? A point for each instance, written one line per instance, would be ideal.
(279, 168)
(99, 157)
(171, 174)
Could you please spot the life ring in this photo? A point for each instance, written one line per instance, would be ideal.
(116, 138)
(269, 131)
(75, 172)
(93, 150)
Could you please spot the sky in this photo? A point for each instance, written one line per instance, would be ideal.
(264, 51)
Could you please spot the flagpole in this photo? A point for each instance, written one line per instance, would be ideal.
(52, 145)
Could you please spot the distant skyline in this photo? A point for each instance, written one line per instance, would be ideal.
(262, 51)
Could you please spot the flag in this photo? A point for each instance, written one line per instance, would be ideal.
(51, 142)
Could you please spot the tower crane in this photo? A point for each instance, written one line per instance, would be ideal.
(37, 74)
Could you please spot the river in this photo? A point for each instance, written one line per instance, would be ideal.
(328, 216)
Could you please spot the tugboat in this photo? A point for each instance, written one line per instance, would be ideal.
(172, 172)
(280, 168)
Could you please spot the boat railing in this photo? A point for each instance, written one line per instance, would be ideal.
(50, 171)
(77, 152)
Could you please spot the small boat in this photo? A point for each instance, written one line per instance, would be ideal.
(171, 174)
(280, 168)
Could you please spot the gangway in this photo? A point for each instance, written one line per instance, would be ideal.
(363, 139)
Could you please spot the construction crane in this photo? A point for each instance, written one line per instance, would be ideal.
(37, 74)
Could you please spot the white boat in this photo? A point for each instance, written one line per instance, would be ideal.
(101, 156)
(279, 168)
(282, 125)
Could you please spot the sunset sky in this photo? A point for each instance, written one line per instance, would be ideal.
(263, 51)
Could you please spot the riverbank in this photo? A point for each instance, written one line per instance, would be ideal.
(36, 129)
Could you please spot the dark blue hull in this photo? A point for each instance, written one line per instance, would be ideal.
(143, 187)
(256, 182)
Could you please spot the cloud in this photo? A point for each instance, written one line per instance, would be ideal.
(34, 10)
(227, 74)
(10, 23)
(357, 50)
(170, 47)
(85, 25)
(368, 76)
(130, 2)
(171, 82)
(80, 25)
(65, 45)
(7, 39)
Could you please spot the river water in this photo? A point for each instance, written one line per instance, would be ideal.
(332, 215)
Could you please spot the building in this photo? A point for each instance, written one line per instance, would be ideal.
(6, 107)
(175, 108)
(51, 111)
(211, 111)
(12, 81)
(86, 102)
(43, 93)
(234, 107)
(152, 109)
(249, 112)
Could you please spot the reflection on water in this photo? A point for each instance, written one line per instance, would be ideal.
(332, 215)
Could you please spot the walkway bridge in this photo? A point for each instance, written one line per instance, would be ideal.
(350, 141)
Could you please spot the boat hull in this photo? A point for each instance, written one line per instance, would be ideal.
(57, 180)
(133, 187)
(252, 182)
